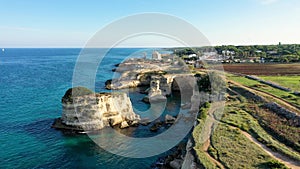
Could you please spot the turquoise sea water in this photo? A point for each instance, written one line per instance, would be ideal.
(32, 82)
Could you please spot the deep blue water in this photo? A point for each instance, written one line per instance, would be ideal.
(32, 82)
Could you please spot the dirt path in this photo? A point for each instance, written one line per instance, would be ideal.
(283, 159)
(207, 143)
(205, 149)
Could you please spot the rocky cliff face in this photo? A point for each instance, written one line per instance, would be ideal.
(159, 76)
(96, 111)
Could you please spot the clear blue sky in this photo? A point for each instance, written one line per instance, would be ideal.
(69, 23)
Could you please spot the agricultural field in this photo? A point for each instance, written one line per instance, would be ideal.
(292, 82)
(264, 69)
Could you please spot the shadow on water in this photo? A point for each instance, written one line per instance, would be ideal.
(70, 150)
(41, 129)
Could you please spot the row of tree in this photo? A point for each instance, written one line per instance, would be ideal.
(274, 53)
(286, 52)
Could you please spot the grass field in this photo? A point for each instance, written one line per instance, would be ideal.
(202, 156)
(287, 96)
(230, 145)
(234, 150)
(205, 161)
(292, 82)
(242, 80)
(231, 148)
(239, 113)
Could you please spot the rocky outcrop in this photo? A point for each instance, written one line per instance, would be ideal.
(281, 111)
(94, 111)
(145, 121)
(132, 79)
(159, 76)
(274, 107)
(156, 126)
(169, 119)
(176, 163)
(191, 159)
(248, 94)
(155, 93)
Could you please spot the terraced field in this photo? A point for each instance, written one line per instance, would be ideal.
(248, 135)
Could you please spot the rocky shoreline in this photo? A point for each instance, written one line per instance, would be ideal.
(183, 157)
(153, 126)
(161, 77)
(174, 160)
(85, 111)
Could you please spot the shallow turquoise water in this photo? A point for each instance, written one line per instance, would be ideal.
(32, 82)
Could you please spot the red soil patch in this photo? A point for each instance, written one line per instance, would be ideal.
(264, 69)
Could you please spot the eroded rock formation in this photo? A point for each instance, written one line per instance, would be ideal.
(93, 111)
(161, 77)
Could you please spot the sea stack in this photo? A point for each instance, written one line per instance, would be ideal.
(84, 110)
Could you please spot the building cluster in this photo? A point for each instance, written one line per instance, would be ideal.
(214, 57)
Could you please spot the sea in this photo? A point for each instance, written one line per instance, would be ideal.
(32, 83)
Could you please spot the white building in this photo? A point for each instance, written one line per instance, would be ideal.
(192, 55)
(156, 55)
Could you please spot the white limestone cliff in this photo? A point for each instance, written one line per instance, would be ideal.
(96, 111)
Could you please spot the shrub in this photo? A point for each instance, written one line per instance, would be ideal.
(213, 152)
(275, 165)
(206, 105)
(75, 92)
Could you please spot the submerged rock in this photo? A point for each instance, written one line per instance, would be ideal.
(176, 164)
(154, 99)
(124, 124)
(169, 119)
(156, 126)
(145, 121)
(146, 99)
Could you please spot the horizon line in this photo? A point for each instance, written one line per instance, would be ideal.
(78, 47)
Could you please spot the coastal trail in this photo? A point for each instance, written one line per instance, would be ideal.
(279, 157)
(291, 163)
(211, 128)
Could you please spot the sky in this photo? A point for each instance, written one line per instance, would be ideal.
(69, 23)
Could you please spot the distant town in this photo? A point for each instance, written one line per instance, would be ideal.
(280, 53)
